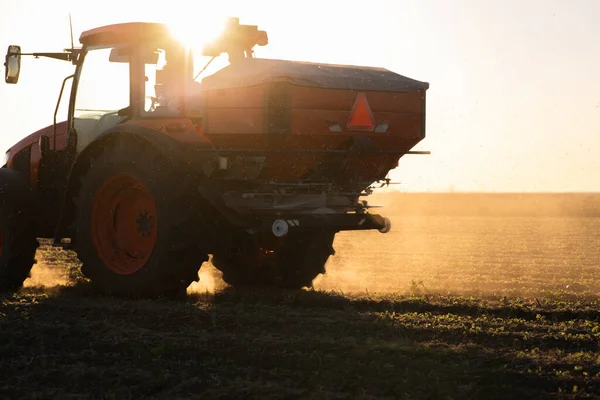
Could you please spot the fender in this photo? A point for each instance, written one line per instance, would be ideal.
(170, 148)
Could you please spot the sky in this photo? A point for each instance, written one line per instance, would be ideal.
(514, 98)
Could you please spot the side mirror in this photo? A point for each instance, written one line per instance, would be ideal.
(12, 64)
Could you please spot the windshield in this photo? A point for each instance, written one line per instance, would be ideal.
(103, 90)
(103, 85)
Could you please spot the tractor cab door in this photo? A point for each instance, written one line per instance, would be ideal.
(123, 82)
(103, 89)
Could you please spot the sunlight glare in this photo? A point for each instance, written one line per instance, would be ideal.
(196, 35)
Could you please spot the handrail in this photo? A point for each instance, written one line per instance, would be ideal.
(62, 88)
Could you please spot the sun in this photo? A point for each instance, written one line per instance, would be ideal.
(195, 35)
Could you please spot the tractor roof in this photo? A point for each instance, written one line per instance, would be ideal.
(127, 33)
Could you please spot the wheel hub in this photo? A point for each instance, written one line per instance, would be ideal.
(143, 223)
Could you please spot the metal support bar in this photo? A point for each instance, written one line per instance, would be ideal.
(337, 222)
(62, 88)
(64, 56)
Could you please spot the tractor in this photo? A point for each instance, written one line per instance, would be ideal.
(258, 164)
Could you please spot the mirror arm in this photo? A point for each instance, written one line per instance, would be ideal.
(62, 88)
(69, 55)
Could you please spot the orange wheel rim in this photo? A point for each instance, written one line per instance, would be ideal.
(124, 223)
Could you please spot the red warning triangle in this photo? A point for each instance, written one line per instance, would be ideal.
(361, 116)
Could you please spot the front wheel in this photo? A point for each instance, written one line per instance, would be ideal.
(135, 225)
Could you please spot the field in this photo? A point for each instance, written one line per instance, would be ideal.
(469, 297)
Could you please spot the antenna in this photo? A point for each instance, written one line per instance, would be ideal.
(71, 27)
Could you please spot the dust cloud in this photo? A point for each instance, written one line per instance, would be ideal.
(50, 270)
(210, 280)
(473, 244)
(468, 244)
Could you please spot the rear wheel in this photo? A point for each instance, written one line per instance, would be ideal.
(135, 225)
(304, 257)
(18, 242)
(248, 262)
(293, 263)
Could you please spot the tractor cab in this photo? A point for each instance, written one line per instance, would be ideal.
(124, 73)
(131, 71)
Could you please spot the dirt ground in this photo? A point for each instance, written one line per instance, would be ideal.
(488, 299)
